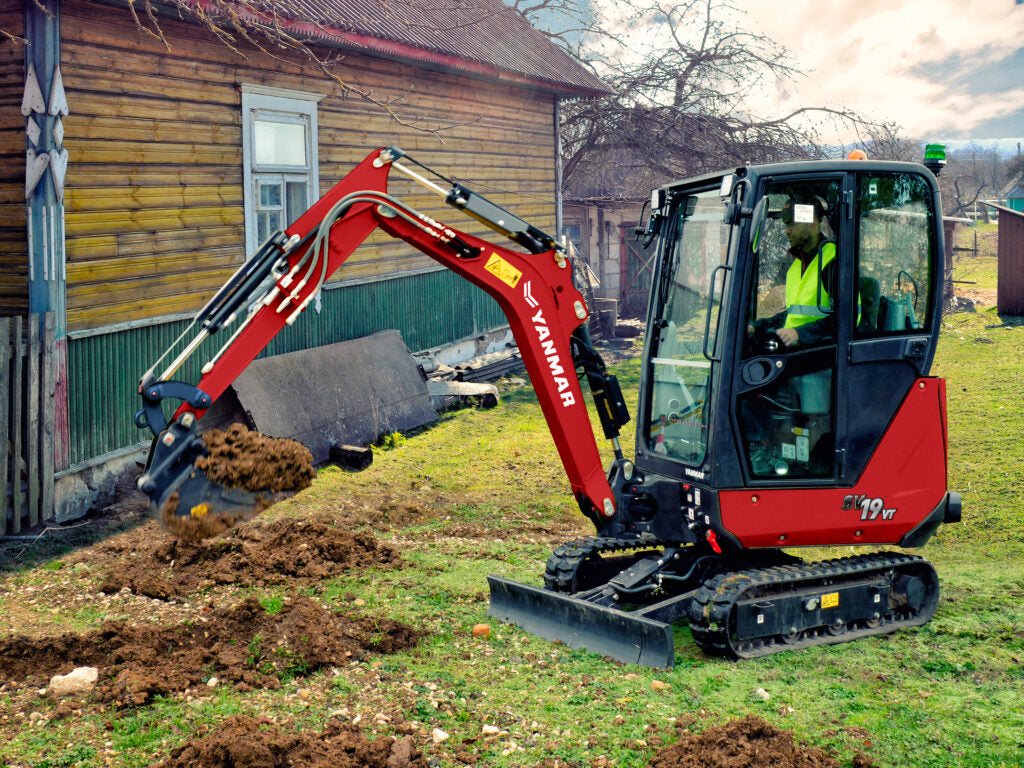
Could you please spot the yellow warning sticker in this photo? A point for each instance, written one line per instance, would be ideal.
(831, 600)
(502, 270)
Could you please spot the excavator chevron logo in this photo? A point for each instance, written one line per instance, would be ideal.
(528, 296)
(547, 346)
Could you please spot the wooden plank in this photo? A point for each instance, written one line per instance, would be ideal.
(155, 175)
(5, 413)
(17, 462)
(165, 265)
(142, 107)
(49, 393)
(149, 220)
(113, 151)
(155, 130)
(32, 419)
(102, 199)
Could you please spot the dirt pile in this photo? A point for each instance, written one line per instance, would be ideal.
(238, 458)
(296, 551)
(241, 740)
(244, 645)
(747, 743)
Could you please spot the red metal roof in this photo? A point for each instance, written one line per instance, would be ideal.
(480, 37)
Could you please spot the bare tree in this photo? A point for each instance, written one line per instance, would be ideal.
(968, 174)
(678, 109)
(885, 142)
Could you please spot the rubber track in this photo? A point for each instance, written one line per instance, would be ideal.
(712, 605)
(565, 561)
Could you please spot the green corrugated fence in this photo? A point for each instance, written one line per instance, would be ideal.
(429, 309)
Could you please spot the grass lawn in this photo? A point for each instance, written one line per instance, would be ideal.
(482, 492)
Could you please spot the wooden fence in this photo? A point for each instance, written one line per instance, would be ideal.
(27, 381)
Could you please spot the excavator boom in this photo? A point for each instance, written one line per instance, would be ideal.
(535, 290)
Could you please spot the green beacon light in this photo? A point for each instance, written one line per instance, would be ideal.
(935, 157)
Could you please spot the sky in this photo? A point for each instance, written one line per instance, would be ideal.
(942, 69)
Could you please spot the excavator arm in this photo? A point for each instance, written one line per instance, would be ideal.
(534, 289)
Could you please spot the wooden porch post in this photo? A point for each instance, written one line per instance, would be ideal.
(44, 107)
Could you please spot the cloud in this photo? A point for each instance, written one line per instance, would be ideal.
(933, 66)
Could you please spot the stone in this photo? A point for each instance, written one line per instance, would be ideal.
(762, 694)
(438, 735)
(75, 683)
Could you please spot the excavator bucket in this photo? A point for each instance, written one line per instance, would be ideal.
(580, 624)
(200, 487)
(194, 495)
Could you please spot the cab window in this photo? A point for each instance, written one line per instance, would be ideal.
(895, 229)
(797, 262)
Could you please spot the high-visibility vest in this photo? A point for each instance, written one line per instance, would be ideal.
(802, 304)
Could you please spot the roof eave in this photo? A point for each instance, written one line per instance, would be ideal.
(396, 50)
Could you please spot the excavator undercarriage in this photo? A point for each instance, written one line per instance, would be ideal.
(620, 597)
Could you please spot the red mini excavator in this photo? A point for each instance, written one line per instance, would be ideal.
(785, 399)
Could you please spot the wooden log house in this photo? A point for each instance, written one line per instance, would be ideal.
(182, 152)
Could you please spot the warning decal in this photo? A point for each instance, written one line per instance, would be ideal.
(502, 270)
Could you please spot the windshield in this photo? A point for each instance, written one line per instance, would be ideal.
(680, 374)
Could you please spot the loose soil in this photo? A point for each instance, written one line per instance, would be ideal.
(241, 740)
(747, 743)
(243, 458)
(240, 458)
(243, 645)
(256, 554)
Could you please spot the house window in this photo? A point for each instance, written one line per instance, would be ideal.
(279, 148)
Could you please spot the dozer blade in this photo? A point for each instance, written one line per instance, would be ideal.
(580, 624)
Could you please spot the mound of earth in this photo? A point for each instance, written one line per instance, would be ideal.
(747, 743)
(241, 740)
(244, 645)
(240, 458)
(251, 555)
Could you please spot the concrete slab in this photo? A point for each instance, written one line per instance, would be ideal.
(348, 393)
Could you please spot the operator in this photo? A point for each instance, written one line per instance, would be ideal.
(807, 318)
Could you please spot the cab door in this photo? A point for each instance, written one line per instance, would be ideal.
(897, 237)
(789, 375)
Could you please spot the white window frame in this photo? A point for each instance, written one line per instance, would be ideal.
(286, 106)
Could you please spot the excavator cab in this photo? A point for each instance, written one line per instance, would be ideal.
(839, 259)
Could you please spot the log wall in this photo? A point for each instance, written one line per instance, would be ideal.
(13, 243)
(154, 211)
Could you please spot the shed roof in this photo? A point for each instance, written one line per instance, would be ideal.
(1003, 209)
(478, 37)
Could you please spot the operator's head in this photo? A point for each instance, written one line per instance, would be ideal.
(806, 221)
